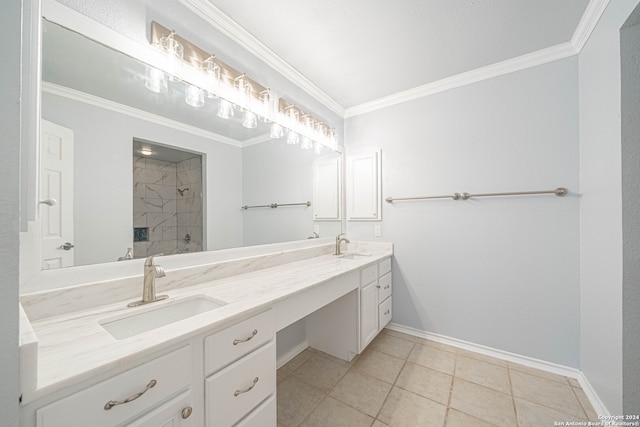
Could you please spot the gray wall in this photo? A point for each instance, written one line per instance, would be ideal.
(630, 60)
(500, 272)
(275, 172)
(10, 34)
(601, 207)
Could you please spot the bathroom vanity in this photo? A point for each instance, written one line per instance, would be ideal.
(207, 354)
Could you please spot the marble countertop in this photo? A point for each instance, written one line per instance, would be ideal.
(73, 346)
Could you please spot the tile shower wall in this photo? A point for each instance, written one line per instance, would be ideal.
(189, 205)
(167, 200)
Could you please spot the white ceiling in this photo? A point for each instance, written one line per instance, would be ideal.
(358, 51)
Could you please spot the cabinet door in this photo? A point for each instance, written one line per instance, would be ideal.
(363, 187)
(236, 390)
(327, 183)
(177, 412)
(264, 415)
(368, 314)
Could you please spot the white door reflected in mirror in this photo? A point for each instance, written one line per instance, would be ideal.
(56, 183)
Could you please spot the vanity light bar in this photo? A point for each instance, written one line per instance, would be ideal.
(258, 98)
(195, 57)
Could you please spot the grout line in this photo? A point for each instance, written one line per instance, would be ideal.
(513, 398)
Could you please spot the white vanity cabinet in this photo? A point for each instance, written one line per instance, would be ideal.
(240, 362)
(125, 399)
(375, 300)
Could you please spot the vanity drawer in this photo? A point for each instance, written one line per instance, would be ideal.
(385, 313)
(171, 372)
(385, 287)
(233, 392)
(384, 266)
(368, 275)
(234, 342)
(264, 415)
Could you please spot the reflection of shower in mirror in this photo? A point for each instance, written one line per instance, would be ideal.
(167, 199)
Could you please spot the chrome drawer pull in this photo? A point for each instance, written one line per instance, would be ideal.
(386, 287)
(110, 404)
(387, 312)
(253, 334)
(239, 392)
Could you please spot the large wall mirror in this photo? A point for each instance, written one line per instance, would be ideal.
(147, 171)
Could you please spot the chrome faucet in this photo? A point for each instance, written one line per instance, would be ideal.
(339, 240)
(151, 271)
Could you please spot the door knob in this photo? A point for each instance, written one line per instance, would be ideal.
(67, 246)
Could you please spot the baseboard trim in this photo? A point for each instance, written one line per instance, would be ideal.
(283, 359)
(530, 362)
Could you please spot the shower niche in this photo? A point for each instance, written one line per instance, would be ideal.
(167, 200)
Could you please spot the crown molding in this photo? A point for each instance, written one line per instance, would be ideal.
(232, 29)
(508, 66)
(585, 27)
(588, 23)
(96, 101)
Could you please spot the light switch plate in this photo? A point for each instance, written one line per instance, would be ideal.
(377, 230)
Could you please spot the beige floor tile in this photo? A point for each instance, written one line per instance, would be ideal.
(460, 419)
(533, 415)
(586, 405)
(397, 334)
(379, 423)
(538, 373)
(336, 359)
(437, 345)
(365, 393)
(432, 357)
(483, 373)
(379, 365)
(333, 413)
(426, 382)
(483, 357)
(406, 409)
(545, 392)
(481, 402)
(393, 346)
(320, 372)
(296, 400)
(295, 363)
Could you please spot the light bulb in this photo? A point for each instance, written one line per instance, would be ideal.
(292, 137)
(174, 51)
(276, 131)
(225, 111)
(306, 143)
(212, 71)
(250, 120)
(194, 96)
(156, 80)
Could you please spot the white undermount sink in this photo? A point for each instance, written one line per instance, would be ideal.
(125, 326)
(352, 255)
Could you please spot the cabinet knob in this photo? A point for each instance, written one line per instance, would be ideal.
(378, 286)
(186, 412)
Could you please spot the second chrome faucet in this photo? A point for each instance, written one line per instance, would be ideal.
(339, 239)
(151, 272)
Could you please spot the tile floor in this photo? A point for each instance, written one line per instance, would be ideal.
(401, 380)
